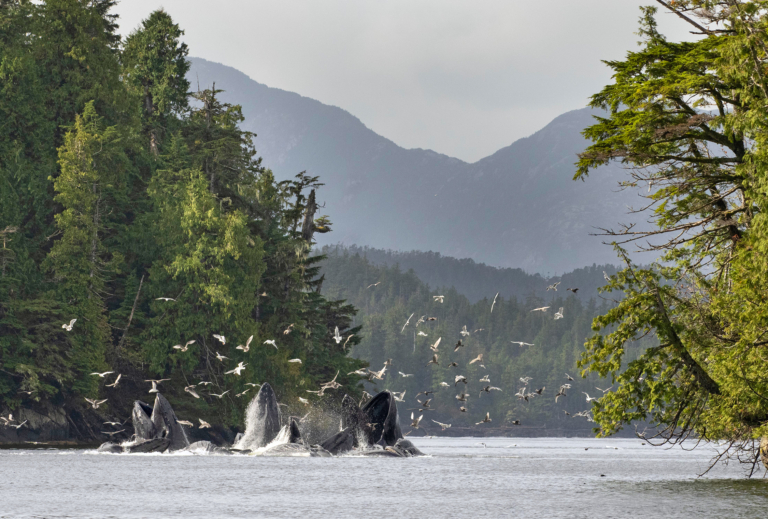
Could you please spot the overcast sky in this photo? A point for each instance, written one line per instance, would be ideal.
(463, 78)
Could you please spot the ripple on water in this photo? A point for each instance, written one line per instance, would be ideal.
(525, 477)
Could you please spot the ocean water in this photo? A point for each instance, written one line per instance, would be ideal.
(508, 477)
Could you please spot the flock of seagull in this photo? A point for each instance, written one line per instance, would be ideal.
(523, 394)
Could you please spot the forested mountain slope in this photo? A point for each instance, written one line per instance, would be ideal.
(556, 346)
(477, 281)
(517, 208)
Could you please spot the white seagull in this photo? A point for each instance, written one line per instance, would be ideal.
(271, 342)
(185, 347)
(337, 336)
(240, 367)
(494, 301)
(69, 326)
(406, 322)
(220, 338)
(559, 314)
(102, 375)
(438, 299)
(464, 331)
(247, 345)
(95, 403)
(521, 343)
(540, 309)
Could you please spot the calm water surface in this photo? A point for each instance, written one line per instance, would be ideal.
(550, 478)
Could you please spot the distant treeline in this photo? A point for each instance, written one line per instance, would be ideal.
(557, 344)
(478, 280)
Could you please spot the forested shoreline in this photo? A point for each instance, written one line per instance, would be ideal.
(135, 205)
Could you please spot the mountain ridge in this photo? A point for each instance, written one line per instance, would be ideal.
(517, 208)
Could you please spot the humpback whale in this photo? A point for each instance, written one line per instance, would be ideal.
(262, 420)
(142, 423)
(167, 426)
(382, 411)
(373, 430)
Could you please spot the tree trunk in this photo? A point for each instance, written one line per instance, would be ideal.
(764, 451)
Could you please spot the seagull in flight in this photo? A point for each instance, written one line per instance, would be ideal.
(553, 286)
(405, 375)
(415, 421)
(604, 390)
(295, 361)
(185, 347)
(373, 285)
(220, 357)
(164, 299)
(271, 342)
(464, 331)
(422, 334)
(589, 398)
(399, 397)
(102, 375)
(304, 401)
(436, 344)
(444, 426)
(247, 345)
(540, 309)
(155, 383)
(559, 314)
(460, 378)
(479, 358)
(494, 301)
(185, 422)
(337, 336)
(568, 376)
(486, 378)
(458, 345)
(521, 343)
(219, 396)
(114, 384)
(438, 299)
(95, 403)
(220, 338)
(434, 360)
(112, 433)
(525, 380)
(453, 365)
(574, 290)
(191, 391)
(69, 326)
(204, 424)
(488, 389)
(288, 330)
(487, 419)
(408, 321)
(444, 384)
(240, 367)
(606, 276)
(462, 397)
(22, 423)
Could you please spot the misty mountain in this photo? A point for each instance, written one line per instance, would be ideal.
(517, 208)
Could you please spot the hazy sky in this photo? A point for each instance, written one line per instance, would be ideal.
(463, 78)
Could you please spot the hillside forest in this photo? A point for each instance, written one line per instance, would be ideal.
(137, 222)
(392, 301)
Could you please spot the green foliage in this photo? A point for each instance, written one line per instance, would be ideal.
(116, 193)
(689, 120)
